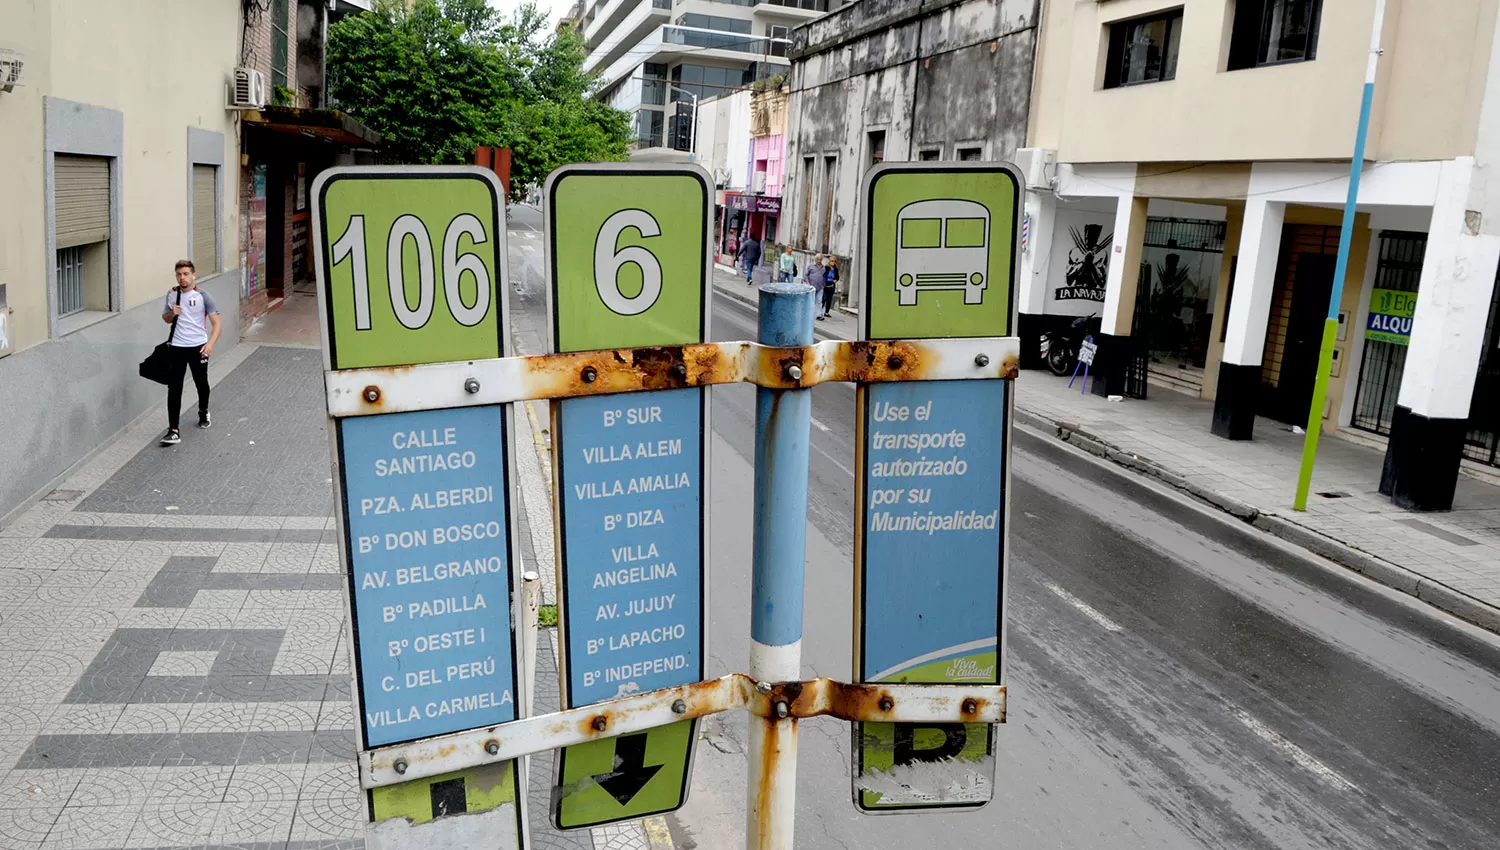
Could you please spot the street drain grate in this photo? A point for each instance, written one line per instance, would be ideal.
(62, 495)
(1334, 494)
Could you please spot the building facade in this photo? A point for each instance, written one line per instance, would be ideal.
(882, 79)
(660, 59)
(1187, 168)
(120, 158)
(286, 143)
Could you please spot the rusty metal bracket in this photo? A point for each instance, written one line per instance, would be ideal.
(396, 389)
(871, 703)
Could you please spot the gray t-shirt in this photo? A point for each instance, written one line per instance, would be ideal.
(192, 325)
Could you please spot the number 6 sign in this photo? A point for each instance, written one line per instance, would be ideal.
(627, 255)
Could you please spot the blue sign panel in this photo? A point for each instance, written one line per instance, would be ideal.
(426, 510)
(631, 475)
(931, 562)
(933, 531)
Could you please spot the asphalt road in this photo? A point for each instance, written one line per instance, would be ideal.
(1176, 679)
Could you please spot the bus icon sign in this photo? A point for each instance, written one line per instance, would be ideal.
(943, 245)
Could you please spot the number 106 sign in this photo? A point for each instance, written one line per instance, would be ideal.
(414, 257)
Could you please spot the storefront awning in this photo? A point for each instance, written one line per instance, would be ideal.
(329, 125)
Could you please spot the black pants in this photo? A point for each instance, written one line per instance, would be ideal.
(190, 358)
(827, 298)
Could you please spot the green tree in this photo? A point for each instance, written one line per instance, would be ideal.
(439, 77)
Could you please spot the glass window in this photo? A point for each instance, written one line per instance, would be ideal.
(965, 233)
(922, 233)
(929, 155)
(968, 154)
(1268, 32)
(1143, 50)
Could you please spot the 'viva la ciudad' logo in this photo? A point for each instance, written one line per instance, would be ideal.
(968, 668)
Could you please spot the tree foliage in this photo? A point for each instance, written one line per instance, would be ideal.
(437, 78)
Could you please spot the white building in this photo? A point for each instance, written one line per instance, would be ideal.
(1187, 168)
(655, 54)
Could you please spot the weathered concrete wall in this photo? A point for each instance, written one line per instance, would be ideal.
(929, 76)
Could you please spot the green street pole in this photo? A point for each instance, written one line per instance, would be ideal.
(1341, 267)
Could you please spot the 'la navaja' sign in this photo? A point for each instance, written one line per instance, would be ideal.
(1391, 313)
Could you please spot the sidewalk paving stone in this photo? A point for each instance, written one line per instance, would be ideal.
(173, 633)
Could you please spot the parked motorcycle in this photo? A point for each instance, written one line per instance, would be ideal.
(1059, 348)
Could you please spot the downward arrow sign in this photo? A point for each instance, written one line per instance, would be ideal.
(631, 772)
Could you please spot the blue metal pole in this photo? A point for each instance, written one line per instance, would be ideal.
(1341, 267)
(783, 419)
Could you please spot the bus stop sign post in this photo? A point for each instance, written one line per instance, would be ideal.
(411, 270)
(909, 396)
(933, 468)
(627, 267)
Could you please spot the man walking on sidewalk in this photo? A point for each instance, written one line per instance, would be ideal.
(190, 312)
(750, 254)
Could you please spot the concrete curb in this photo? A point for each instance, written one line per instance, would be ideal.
(1391, 575)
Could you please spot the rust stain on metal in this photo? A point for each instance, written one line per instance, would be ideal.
(781, 735)
(371, 394)
(1010, 367)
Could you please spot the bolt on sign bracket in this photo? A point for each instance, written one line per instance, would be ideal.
(394, 389)
(896, 703)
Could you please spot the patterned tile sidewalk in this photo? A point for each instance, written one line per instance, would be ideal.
(1450, 559)
(172, 637)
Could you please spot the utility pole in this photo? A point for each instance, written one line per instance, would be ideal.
(1341, 268)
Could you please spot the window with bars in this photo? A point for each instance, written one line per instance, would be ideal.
(1399, 268)
(70, 298)
(82, 231)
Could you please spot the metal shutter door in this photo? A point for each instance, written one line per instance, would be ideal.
(80, 190)
(205, 234)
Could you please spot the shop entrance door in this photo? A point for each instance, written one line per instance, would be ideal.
(1304, 281)
(1304, 335)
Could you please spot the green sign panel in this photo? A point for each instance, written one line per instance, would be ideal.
(632, 776)
(628, 268)
(940, 255)
(939, 243)
(1391, 313)
(475, 789)
(411, 265)
(628, 255)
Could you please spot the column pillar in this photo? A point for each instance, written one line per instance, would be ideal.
(1032, 286)
(1425, 450)
(1113, 357)
(1249, 312)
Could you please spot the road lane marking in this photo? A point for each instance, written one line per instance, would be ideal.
(847, 471)
(1085, 609)
(1296, 753)
(819, 425)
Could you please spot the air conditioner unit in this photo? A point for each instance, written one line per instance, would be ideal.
(12, 68)
(249, 89)
(758, 183)
(721, 177)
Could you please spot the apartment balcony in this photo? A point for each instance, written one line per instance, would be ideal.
(669, 43)
(639, 19)
(790, 12)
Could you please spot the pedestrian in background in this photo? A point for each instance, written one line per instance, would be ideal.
(830, 284)
(749, 254)
(813, 276)
(190, 312)
(788, 264)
